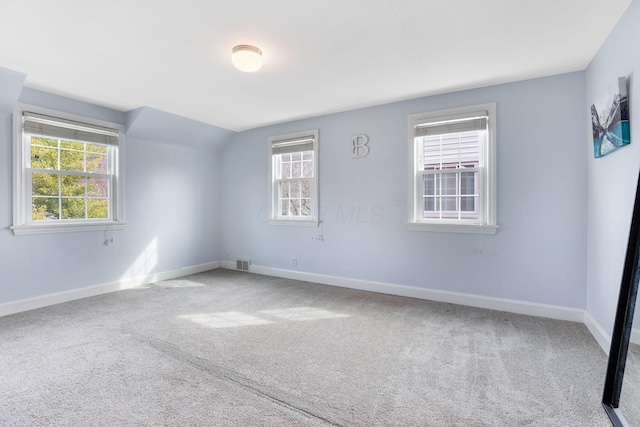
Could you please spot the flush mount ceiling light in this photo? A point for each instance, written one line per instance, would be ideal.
(246, 58)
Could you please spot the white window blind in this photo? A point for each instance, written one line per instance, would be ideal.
(469, 124)
(42, 125)
(293, 145)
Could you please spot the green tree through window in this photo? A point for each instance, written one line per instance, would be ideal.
(70, 179)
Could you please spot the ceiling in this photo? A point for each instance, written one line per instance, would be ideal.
(319, 56)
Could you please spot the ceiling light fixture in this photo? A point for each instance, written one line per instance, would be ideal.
(246, 58)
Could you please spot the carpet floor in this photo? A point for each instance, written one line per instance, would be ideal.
(226, 348)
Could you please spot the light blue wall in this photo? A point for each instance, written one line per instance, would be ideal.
(538, 254)
(200, 192)
(172, 198)
(613, 178)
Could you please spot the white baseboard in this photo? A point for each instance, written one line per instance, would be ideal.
(500, 304)
(491, 303)
(601, 336)
(229, 265)
(89, 291)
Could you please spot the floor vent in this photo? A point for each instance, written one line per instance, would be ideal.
(243, 264)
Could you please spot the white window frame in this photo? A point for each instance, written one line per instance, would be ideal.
(22, 200)
(487, 223)
(274, 215)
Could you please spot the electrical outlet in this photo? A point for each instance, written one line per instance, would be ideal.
(294, 261)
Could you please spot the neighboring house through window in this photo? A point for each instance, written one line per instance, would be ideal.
(452, 170)
(67, 172)
(293, 172)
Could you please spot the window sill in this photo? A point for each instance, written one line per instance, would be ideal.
(20, 230)
(295, 222)
(453, 228)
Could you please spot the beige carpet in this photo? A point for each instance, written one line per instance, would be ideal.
(226, 348)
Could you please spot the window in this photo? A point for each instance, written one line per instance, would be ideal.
(293, 172)
(67, 173)
(452, 170)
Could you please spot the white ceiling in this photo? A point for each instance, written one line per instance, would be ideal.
(320, 56)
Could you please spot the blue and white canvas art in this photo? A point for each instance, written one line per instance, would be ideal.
(610, 120)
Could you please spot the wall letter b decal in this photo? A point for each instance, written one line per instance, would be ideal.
(359, 146)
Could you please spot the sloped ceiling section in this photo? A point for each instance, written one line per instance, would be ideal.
(11, 83)
(160, 126)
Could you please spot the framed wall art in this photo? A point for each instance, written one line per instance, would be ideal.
(610, 120)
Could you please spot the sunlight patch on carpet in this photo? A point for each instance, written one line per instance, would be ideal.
(232, 319)
(179, 284)
(225, 320)
(303, 314)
